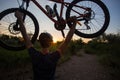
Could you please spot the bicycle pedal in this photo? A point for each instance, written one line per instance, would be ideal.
(79, 23)
(63, 34)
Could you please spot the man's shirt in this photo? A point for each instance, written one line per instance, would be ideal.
(44, 66)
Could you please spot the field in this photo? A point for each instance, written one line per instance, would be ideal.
(106, 47)
(12, 59)
(108, 51)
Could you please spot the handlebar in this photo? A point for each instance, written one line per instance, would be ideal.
(23, 2)
(26, 0)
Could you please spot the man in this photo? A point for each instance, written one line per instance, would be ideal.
(44, 62)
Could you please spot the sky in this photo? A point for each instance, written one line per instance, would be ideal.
(46, 25)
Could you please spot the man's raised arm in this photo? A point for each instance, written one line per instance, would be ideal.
(69, 36)
(23, 30)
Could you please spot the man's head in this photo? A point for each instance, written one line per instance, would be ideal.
(45, 40)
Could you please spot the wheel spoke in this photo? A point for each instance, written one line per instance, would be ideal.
(10, 35)
(94, 14)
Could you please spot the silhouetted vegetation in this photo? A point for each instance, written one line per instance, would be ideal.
(12, 59)
(107, 48)
(11, 40)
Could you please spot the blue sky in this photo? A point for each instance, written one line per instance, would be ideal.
(113, 7)
(47, 25)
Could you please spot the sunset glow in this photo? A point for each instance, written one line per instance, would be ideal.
(46, 25)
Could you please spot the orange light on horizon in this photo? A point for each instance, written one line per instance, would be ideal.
(85, 40)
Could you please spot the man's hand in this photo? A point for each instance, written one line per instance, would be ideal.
(73, 20)
(18, 15)
(64, 45)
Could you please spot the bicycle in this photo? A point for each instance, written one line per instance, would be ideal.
(92, 16)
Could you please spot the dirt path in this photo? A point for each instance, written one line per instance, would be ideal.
(82, 68)
(85, 67)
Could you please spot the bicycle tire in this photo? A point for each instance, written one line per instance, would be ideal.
(11, 11)
(104, 9)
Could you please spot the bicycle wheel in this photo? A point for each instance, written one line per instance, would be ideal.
(10, 36)
(92, 14)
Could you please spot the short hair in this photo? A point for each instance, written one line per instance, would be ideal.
(45, 39)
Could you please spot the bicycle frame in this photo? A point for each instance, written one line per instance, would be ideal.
(92, 20)
(66, 4)
(45, 12)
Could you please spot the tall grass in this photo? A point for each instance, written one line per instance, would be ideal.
(12, 59)
(108, 52)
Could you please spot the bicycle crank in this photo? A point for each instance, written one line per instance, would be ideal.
(60, 26)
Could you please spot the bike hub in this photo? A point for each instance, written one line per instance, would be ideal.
(89, 14)
(13, 28)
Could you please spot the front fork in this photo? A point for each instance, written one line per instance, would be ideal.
(24, 15)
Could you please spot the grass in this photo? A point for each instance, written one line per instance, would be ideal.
(13, 59)
(108, 54)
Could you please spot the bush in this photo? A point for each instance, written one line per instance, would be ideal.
(108, 52)
(12, 59)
